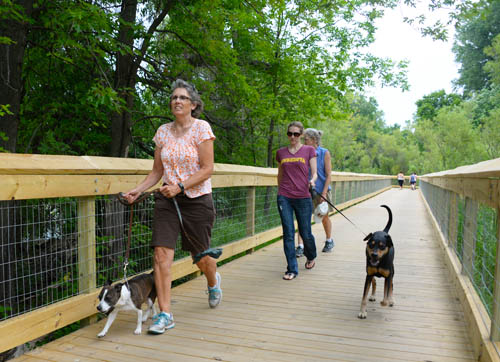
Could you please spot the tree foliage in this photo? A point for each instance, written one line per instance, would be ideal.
(475, 33)
(95, 79)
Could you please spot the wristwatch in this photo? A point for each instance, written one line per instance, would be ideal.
(181, 186)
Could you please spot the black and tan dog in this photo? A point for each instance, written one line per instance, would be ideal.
(379, 263)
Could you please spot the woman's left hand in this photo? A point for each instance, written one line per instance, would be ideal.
(170, 190)
(312, 184)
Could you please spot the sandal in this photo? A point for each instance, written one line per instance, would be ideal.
(289, 276)
(310, 264)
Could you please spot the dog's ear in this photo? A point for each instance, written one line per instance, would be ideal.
(369, 236)
(109, 282)
(389, 241)
(118, 287)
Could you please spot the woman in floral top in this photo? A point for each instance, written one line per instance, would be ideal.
(184, 160)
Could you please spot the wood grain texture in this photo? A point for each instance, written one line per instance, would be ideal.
(311, 318)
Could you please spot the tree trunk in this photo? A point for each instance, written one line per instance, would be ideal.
(11, 65)
(125, 81)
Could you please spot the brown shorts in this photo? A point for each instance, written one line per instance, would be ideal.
(198, 215)
(318, 200)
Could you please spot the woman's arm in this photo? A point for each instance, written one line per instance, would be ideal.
(280, 173)
(151, 179)
(206, 154)
(328, 172)
(314, 170)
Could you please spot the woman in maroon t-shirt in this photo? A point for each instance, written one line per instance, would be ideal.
(294, 162)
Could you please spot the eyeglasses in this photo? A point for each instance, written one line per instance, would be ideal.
(295, 134)
(182, 98)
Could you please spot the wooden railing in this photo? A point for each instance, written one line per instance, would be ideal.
(34, 177)
(465, 204)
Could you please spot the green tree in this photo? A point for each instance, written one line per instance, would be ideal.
(475, 33)
(429, 106)
(492, 66)
(14, 20)
(451, 140)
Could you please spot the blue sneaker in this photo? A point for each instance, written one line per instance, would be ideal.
(215, 293)
(161, 322)
(329, 244)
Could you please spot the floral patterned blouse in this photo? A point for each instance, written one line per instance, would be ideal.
(180, 156)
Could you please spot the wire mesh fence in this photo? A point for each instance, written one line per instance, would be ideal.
(54, 249)
(471, 229)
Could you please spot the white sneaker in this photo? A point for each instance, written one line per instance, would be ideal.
(215, 293)
(161, 322)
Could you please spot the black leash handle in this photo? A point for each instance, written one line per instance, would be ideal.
(314, 194)
(213, 252)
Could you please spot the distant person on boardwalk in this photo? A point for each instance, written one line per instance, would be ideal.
(413, 181)
(312, 137)
(184, 160)
(295, 163)
(401, 179)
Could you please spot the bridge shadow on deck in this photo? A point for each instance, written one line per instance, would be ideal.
(311, 318)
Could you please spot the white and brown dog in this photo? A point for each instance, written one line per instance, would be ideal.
(114, 298)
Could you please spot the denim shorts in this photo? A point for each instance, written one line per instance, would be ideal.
(198, 216)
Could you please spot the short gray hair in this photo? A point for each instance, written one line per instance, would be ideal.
(314, 134)
(193, 94)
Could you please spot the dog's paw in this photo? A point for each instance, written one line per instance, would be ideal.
(138, 331)
(372, 298)
(100, 335)
(362, 315)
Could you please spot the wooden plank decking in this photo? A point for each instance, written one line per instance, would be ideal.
(311, 318)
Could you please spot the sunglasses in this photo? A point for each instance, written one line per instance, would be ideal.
(295, 134)
(182, 98)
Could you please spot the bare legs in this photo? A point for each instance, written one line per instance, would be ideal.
(327, 225)
(208, 266)
(162, 266)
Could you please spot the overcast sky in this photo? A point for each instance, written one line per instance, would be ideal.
(431, 67)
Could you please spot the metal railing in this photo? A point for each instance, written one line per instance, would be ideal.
(465, 204)
(63, 233)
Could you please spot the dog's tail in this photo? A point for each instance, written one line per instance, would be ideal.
(389, 223)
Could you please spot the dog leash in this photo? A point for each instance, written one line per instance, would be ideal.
(314, 193)
(124, 201)
(213, 252)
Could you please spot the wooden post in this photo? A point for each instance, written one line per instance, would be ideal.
(342, 191)
(250, 211)
(86, 248)
(250, 217)
(495, 313)
(470, 227)
(334, 193)
(453, 225)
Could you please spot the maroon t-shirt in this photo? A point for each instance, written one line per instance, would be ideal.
(295, 172)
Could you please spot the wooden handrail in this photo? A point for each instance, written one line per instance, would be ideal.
(475, 184)
(45, 176)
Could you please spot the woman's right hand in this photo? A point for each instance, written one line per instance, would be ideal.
(131, 195)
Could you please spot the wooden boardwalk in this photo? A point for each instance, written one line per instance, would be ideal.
(311, 318)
